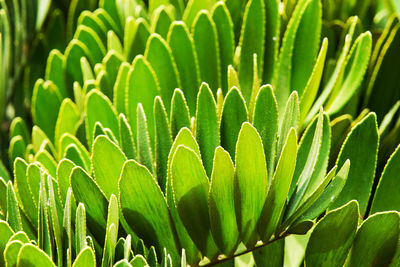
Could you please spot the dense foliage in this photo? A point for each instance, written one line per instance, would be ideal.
(167, 133)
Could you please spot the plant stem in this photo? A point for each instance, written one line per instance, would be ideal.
(218, 261)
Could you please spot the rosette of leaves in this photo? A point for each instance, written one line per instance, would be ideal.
(156, 142)
(117, 159)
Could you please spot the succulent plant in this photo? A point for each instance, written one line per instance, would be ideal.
(199, 132)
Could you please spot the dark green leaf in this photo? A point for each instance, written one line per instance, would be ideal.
(207, 126)
(145, 208)
(205, 38)
(361, 148)
(143, 88)
(159, 55)
(226, 40)
(386, 192)
(376, 240)
(234, 113)
(183, 50)
(99, 109)
(265, 120)
(191, 198)
(163, 142)
(251, 42)
(46, 97)
(333, 236)
(87, 192)
(278, 191)
(180, 116)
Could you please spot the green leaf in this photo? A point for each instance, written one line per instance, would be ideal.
(27, 202)
(46, 97)
(311, 88)
(329, 195)
(353, 74)
(161, 21)
(5, 232)
(251, 42)
(136, 33)
(126, 139)
(144, 156)
(305, 47)
(251, 179)
(138, 261)
(180, 116)
(113, 43)
(383, 75)
(143, 87)
(68, 120)
(89, 19)
(193, 8)
(47, 161)
(308, 200)
(307, 163)
(205, 38)
(55, 72)
(80, 228)
(87, 192)
(207, 128)
(145, 208)
(289, 119)
(183, 50)
(85, 258)
(73, 54)
(31, 255)
(44, 242)
(120, 87)
(159, 55)
(122, 263)
(67, 232)
(234, 113)
(11, 252)
(112, 232)
(99, 109)
(68, 140)
(361, 148)
(272, 36)
(191, 198)
(90, 38)
(279, 189)
(376, 240)
(226, 40)
(33, 180)
(18, 128)
(13, 213)
(283, 71)
(107, 160)
(222, 203)
(265, 120)
(17, 148)
(333, 236)
(163, 142)
(184, 137)
(55, 221)
(112, 62)
(385, 195)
